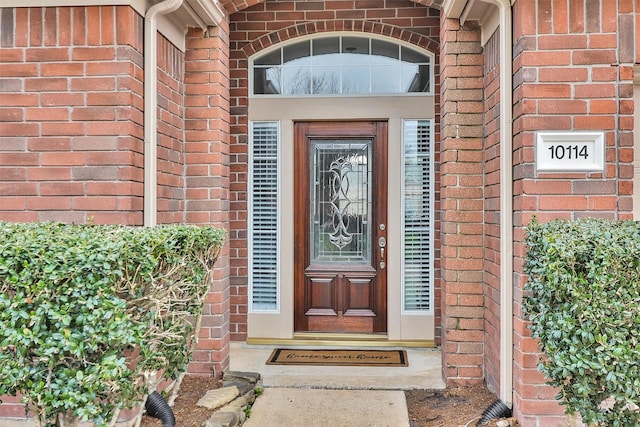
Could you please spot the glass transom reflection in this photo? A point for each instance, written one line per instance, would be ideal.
(341, 65)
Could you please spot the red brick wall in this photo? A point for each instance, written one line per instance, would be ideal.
(462, 202)
(572, 71)
(491, 159)
(71, 115)
(265, 24)
(208, 178)
(171, 107)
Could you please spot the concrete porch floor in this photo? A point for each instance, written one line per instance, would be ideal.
(424, 371)
(338, 396)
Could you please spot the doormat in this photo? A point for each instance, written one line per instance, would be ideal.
(284, 356)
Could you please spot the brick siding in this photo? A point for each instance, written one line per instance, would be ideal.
(71, 115)
(572, 71)
(491, 209)
(171, 146)
(71, 138)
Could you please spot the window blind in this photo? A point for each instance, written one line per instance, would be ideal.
(263, 216)
(418, 201)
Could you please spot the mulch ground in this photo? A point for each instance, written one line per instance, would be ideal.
(452, 407)
(187, 413)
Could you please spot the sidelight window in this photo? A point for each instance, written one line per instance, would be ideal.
(418, 215)
(263, 216)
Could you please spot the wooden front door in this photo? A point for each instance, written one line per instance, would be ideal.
(340, 227)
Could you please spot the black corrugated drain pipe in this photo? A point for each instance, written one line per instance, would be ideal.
(497, 409)
(157, 407)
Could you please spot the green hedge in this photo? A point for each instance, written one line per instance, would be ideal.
(87, 312)
(583, 300)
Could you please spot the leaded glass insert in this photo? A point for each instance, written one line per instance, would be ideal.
(340, 201)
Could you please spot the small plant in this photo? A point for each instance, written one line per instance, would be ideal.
(247, 411)
(88, 314)
(583, 300)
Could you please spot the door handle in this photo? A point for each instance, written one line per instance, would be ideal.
(382, 242)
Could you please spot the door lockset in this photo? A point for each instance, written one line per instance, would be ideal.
(382, 242)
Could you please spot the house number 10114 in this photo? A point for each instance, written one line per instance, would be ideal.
(569, 151)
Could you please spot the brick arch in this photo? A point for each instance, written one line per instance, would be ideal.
(317, 27)
(233, 6)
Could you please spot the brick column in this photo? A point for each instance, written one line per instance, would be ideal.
(461, 190)
(207, 178)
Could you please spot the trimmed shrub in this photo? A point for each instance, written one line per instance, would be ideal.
(583, 300)
(87, 313)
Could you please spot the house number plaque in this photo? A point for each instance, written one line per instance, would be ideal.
(570, 151)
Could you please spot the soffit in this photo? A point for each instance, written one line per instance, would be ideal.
(470, 10)
(485, 12)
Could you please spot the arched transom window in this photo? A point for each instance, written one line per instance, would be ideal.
(342, 65)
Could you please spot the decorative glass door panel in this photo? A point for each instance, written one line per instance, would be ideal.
(340, 226)
(340, 201)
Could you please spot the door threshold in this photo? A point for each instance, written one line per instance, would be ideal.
(340, 340)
